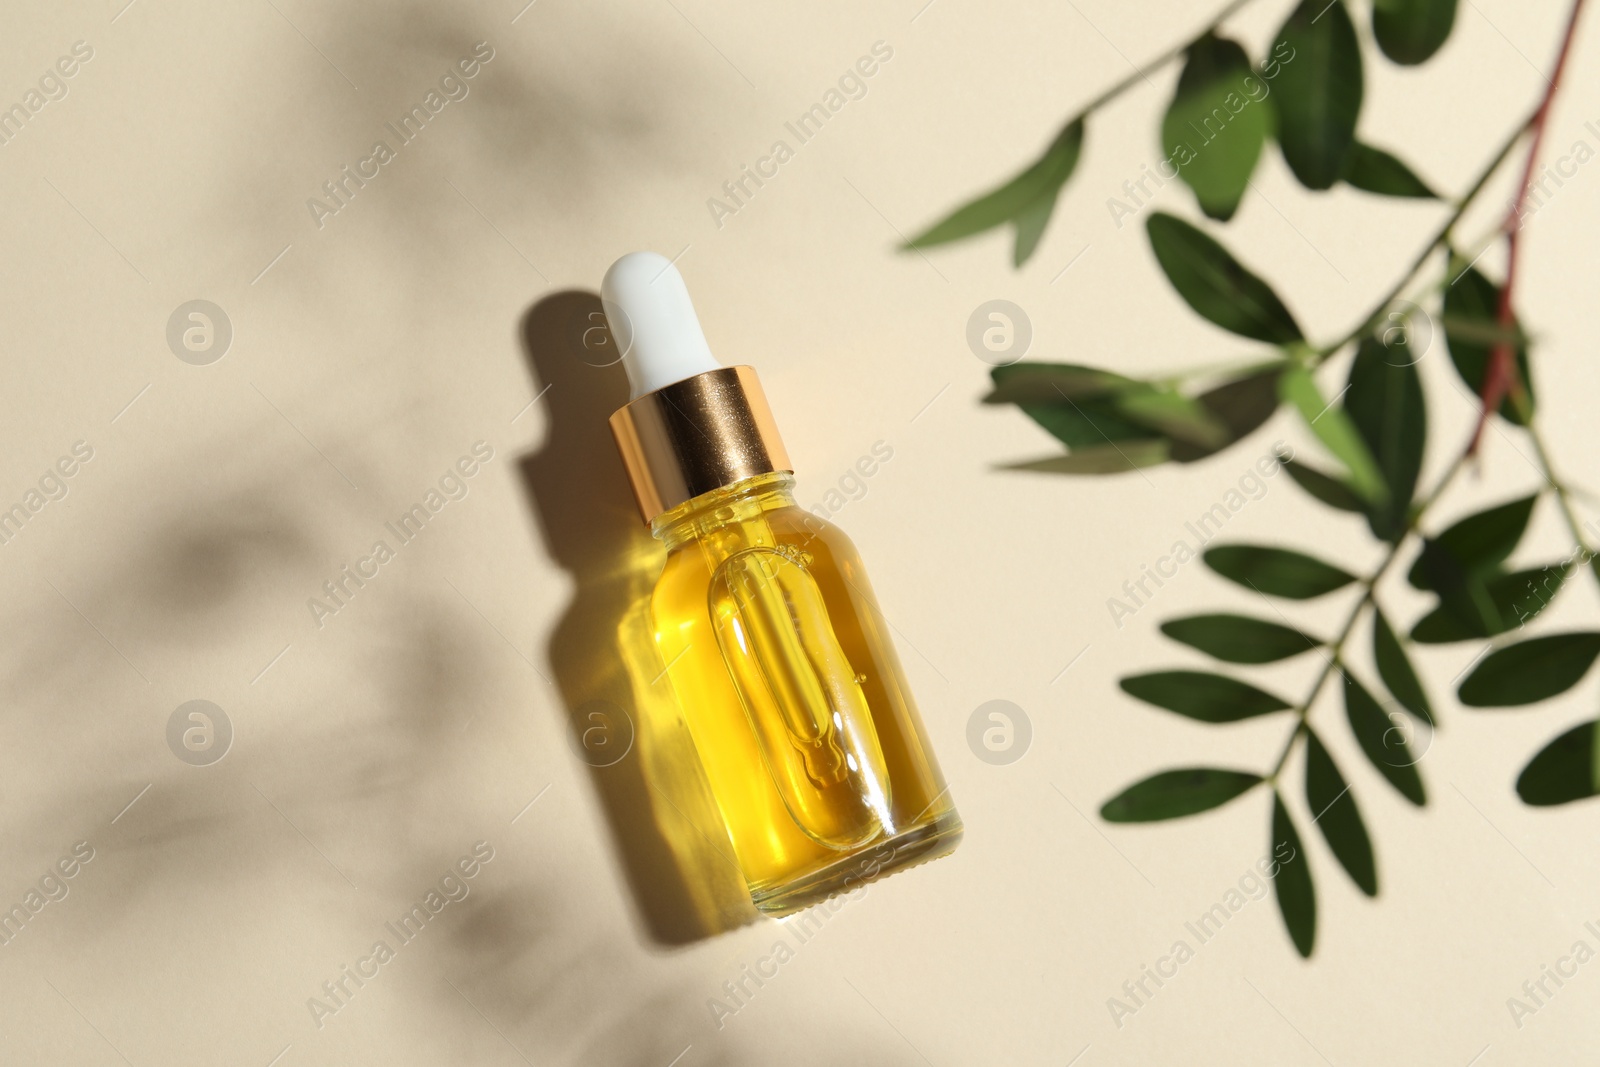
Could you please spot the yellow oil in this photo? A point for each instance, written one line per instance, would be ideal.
(782, 665)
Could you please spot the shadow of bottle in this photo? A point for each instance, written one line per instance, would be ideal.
(624, 720)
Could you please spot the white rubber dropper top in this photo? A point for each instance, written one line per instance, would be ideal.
(653, 323)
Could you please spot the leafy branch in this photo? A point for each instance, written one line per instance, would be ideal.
(1306, 95)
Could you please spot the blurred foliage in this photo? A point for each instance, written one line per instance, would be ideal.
(1305, 95)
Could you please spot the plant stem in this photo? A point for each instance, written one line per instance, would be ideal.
(1440, 239)
(1334, 653)
(1322, 353)
(1563, 492)
(1142, 73)
(1336, 650)
(1500, 376)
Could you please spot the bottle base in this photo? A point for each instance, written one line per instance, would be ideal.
(927, 842)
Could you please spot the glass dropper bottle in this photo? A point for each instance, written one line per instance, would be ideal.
(765, 623)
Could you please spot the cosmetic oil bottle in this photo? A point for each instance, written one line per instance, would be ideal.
(764, 621)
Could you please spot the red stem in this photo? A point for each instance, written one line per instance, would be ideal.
(1500, 376)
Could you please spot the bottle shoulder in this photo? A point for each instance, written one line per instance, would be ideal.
(795, 524)
(788, 528)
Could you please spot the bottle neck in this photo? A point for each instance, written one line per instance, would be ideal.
(709, 431)
(742, 501)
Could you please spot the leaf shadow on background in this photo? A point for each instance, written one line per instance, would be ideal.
(328, 823)
(179, 849)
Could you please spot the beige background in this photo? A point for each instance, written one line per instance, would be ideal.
(369, 754)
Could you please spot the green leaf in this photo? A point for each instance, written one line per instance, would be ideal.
(1297, 898)
(1241, 405)
(1025, 200)
(1089, 422)
(1029, 228)
(1486, 607)
(1395, 668)
(1530, 671)
(1563, 771)
(1216, 285)
(1471, 307)
(1334, 429)
(1174, 794)
(1373, 170)
(1477, 544)
(1239, 638)
(1207, 697)
(1109, 458)
(1318, 91)
(1276, 571)
(1385, 402)
(1174, 415)
(1411, 31)
(1124, 422)
(1331, 491)
(1333, 809)
(1051, 383)
(1214, 128)
(1383, 740)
